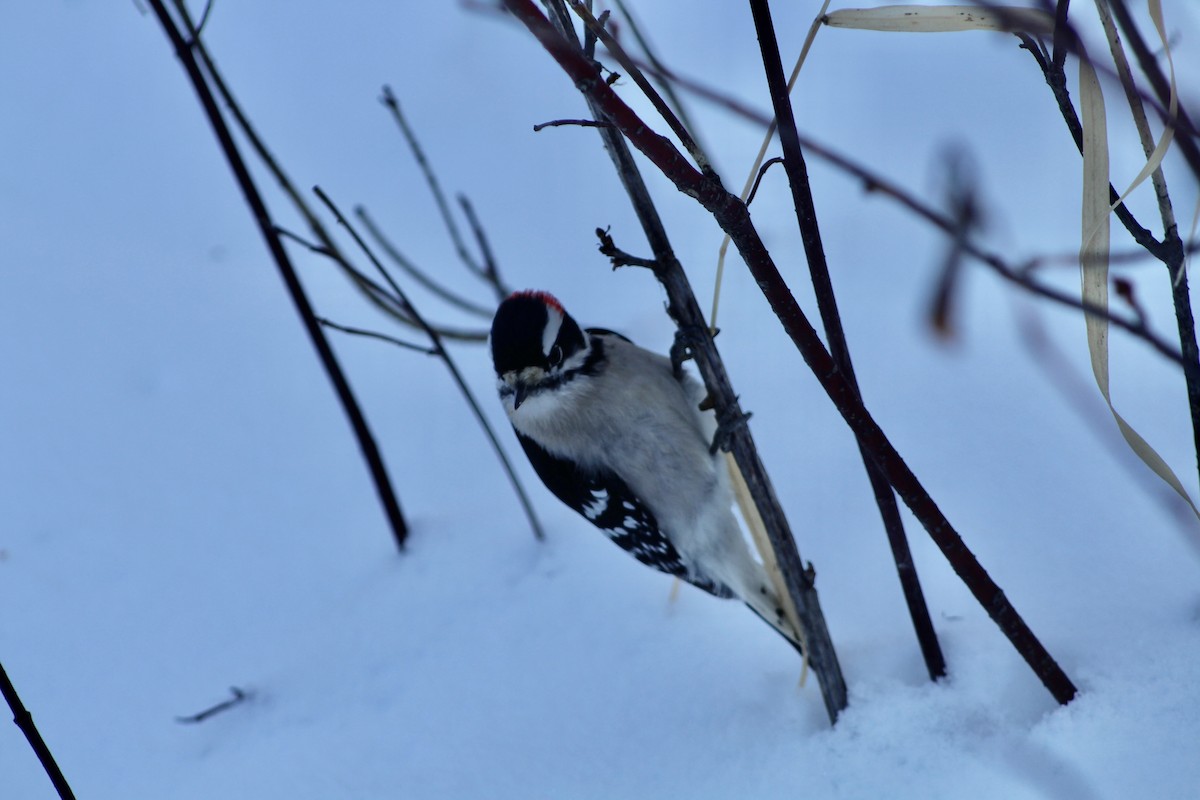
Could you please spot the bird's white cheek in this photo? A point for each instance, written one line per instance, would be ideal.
(535, 408)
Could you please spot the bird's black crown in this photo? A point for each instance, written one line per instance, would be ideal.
(519, 333)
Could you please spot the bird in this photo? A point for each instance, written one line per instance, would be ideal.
(614, 434)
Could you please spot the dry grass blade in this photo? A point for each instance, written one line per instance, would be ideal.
(752, 178)
(1093, 261)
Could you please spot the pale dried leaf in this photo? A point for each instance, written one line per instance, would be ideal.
(943, 19)
(762, 543)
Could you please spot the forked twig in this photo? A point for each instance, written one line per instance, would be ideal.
(441, 352)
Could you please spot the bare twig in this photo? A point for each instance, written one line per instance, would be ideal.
(380, 294)
(388, 98)
(582, 123)
(770, 162)
(491, 270)
(440, 350)
(403, 262)
(731, 214)
(262, 216)
(238, 696)
(24, 721)
(383, 337)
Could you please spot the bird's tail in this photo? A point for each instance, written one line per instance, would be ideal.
(779, 623)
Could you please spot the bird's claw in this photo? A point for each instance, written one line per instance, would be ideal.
(728, 424)
(682, 348)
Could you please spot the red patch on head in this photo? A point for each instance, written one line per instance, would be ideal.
(547, 298)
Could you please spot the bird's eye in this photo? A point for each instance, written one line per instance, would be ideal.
(556, 356)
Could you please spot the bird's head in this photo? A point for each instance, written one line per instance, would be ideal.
(536, 346)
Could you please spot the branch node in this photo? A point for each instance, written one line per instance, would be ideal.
(620, 258)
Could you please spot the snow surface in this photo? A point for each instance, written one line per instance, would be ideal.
(184, 509)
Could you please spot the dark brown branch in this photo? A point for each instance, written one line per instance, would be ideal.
(441, 352)
(620, 258)
(24, 721)
(731, 214)
(831, 321)
(258, 209)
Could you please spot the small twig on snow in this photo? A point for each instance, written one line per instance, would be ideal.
(239, 696)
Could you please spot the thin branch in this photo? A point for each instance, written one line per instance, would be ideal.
(440, 350)
(388, 98)
(831, 321)
(1137, 110)
(380, 295)
(491, 270)
(770, 162)
(262, 216)
(429, 351)
(24, 721)
(731, 214)
(403, 262)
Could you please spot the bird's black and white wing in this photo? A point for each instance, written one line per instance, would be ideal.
(608, 503)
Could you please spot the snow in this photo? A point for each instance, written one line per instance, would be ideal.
(184, 509)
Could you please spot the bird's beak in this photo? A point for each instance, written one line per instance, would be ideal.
(521, 393)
